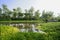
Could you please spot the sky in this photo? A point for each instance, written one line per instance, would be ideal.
(48, 5)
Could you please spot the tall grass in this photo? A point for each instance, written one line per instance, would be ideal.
(11, 33)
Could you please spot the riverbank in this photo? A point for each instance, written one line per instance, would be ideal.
(52, 30)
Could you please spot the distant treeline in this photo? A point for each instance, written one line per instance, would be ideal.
(31, 14)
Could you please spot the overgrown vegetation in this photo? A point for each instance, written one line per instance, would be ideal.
(52, 30)
(7, 32)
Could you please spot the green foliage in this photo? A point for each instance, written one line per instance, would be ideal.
(12, 33)
(17, 14)
(30, 14)
(7, 32)
(58, 18)
(50, 26)
(37, 15)
(52, 29)
(47, 16)
(29, 36)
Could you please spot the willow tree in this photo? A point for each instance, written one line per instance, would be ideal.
(31, 11)
(19, 13)
(0, 13)
(47, 15)
(37, 15)
(26, 17)
(6, 12)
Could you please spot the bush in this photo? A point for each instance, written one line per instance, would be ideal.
(7, 32)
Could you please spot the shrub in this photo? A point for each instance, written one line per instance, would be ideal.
(7, 32)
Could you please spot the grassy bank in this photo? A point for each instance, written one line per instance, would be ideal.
(52, 30)
(23, 21)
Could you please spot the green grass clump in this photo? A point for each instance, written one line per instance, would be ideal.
(7, 32)
(52, 29)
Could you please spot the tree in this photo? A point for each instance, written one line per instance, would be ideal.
(58, 18)
(26, 14)
(47, 15)
(37, 15)
(14, 14)
(0, 13)
(26, 11)
(6, 12)
(31, 11)
(5, 9)
(19, 13)
(19, 10)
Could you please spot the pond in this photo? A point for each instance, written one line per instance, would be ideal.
(24, 27)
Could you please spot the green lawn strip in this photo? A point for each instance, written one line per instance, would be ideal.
(22, 21)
